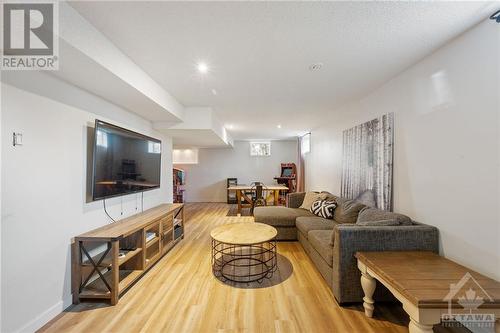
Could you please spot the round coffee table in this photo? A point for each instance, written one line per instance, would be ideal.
(244, 252)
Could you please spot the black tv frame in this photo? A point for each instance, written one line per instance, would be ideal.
(97, 121)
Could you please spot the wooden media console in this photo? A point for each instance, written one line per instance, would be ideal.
(108, 260)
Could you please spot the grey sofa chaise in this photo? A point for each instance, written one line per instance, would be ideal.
(331, 244)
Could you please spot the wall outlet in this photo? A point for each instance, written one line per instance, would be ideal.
(17, 139)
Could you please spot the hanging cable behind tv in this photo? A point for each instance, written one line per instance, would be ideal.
(106, 211)
(112, 219)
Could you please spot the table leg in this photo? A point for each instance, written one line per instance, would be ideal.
(76, 274)
(276, 197)
(368, 283)
(416, 327)
(115, 249)
(238, 198)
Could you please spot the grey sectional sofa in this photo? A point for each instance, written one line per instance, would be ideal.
(331, 244)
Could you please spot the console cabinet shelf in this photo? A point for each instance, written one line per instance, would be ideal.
(108, 260)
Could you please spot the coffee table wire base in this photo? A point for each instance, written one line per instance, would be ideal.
(244, 263)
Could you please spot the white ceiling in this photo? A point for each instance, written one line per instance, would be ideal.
(81, 70)
(259, 52)
(199, 138)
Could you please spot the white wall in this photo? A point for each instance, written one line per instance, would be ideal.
(185, 156)
(44, 191)
(104, 56)
(1, 216)
(206, 181)
(446, 163)
(208, 130)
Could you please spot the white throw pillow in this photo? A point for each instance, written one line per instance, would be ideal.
(310, 197)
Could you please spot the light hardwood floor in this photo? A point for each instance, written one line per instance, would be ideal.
(180, 294)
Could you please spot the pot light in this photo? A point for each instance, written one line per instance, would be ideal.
(315, 67)
(278, 126)
(202, 67)
(230, 126)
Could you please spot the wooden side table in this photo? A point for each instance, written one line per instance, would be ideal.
(428, 285)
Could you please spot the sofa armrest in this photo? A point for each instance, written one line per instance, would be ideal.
(351, 238)
(294, 200)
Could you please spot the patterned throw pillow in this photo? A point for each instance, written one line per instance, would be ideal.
(323, 208)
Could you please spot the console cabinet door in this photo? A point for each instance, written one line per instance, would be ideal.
(167, 224)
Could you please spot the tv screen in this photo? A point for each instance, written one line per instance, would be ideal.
(124, 161)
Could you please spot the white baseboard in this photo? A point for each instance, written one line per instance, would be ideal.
(46, 316)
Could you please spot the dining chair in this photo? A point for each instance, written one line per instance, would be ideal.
(258, 195)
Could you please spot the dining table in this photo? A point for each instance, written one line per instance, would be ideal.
(244, 198)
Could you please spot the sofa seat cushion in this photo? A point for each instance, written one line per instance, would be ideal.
(320, 241)
(308, 223)
(279, 216)
(368, 214)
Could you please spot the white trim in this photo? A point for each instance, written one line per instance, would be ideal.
(45, 317)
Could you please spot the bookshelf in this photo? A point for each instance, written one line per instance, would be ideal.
(179, 180)
(108, 260)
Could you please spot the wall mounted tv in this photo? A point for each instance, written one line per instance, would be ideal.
(124, 162)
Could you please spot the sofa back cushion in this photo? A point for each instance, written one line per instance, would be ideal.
(369, 214)
(347, 210)
(329, 196)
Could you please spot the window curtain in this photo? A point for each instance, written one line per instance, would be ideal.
(300, 166)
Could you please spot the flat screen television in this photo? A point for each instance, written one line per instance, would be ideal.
(124, 161)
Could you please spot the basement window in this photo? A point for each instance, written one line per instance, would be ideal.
(305, 144)
(260, 148)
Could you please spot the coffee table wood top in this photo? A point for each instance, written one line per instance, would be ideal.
(243, 233)
(424, 278)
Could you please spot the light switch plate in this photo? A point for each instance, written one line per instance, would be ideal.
(17, 139)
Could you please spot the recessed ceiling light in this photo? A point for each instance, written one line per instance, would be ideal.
(202, 67)
(278, 126)
(214, 92)
(230, 126)
(315, 67)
